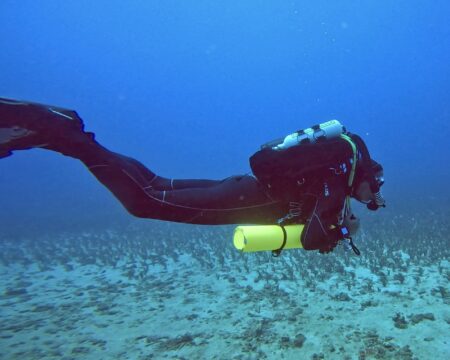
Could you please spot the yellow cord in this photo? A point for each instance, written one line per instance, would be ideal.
(353, 171)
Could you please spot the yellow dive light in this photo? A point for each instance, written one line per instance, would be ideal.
(250, 238)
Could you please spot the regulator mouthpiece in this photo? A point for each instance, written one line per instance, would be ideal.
(377, 203)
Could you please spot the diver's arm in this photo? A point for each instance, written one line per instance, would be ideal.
(323, 228)
(319, 234)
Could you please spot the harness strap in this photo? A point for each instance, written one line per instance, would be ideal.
(276, 253)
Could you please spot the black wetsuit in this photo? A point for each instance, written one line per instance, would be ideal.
(241, 199)
(282, 192)
(315, 197)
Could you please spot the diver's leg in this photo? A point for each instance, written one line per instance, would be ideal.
(25, 125)
(235, 200)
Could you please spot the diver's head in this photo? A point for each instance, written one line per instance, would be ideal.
(367, 186)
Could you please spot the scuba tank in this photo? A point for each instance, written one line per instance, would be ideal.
(327, 130)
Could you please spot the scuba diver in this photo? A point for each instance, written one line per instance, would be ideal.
(307, 178)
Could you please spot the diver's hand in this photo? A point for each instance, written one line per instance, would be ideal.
(352, 223)
(329, 247)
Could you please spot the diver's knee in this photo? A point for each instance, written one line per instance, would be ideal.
(137, 211)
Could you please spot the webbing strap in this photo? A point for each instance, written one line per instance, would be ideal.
(276, 253)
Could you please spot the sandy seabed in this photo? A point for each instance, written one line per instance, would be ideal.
(210, 305)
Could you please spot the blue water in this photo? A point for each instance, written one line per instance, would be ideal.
(193, 88)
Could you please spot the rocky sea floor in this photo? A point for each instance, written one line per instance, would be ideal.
(170, 291)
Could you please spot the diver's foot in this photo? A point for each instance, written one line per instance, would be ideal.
(10, 139)
(26, 125)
